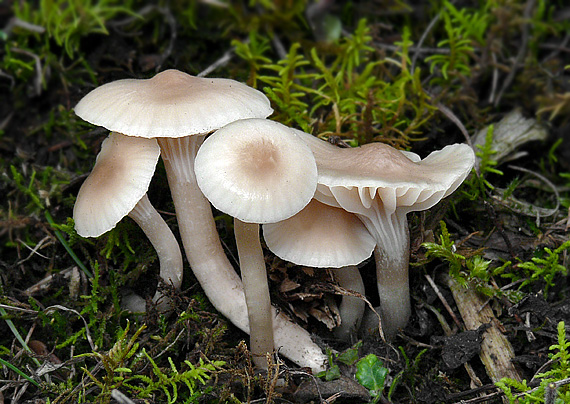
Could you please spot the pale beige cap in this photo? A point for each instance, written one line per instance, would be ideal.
(120, 178)
(354, 177)
(320, 236)
(256, 170)
(171, 104)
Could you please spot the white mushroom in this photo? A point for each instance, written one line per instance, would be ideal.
(179, 110)
(381, 185)
(257, 171)
(323, 236)
(116, 188)
(320, 236)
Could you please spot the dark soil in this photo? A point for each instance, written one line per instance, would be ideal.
(39, 133)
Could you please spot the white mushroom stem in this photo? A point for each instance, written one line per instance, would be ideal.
(392, 257)
(351, 307)
(209, 263)
(165, 244)
(390, 230)
(394, 290)
(256, 288)
(198, 231)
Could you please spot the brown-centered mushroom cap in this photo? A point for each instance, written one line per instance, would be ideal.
(171, 104)
(120, 178)
(256, 170)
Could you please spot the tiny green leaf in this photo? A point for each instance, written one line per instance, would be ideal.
(350, 356)
(371, 373)
(331, 373)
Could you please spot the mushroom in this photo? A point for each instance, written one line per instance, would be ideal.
(257, 171)
(179, 110)
(381, 185)
(116, 188)
(323, 236)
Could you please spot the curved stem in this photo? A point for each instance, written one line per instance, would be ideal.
(256, 288)
(351, 307)
(198, 231)
(392, 257)
(165, 244)
(210, 264)
(394, 290)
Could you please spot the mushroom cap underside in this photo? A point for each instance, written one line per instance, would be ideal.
(171, 104)
(120, 178)
(399, 179)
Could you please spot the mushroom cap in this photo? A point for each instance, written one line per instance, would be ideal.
(320, 236)
(354, 177)
(120, 178)
(256, 170)
(171, 104)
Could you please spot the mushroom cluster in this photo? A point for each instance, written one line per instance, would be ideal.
(177, 111)
(257, 171)
(381, 185)
(319, 205)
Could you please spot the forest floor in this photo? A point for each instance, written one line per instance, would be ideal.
(488, 265)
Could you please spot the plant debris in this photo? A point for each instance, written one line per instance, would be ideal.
(488, 266)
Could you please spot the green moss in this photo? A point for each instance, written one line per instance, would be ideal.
(384, 78)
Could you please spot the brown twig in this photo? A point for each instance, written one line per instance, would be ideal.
(421, 41)
(444, 302)
(496, 350)
(522, 51)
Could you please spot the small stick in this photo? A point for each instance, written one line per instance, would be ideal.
(496, 350)
(444, 302)
(522, 50)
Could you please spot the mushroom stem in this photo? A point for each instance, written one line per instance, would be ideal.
(198, 230)
(209, 263)
(392, 258)
(165, 244)
(351, 307)
(394, 290)
(256, 288)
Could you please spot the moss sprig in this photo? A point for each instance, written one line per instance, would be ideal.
(348, 89)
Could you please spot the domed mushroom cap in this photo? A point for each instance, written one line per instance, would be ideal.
(120, 178)
(357, 175)
(171, 104)
(256, 170)
(320, 236)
